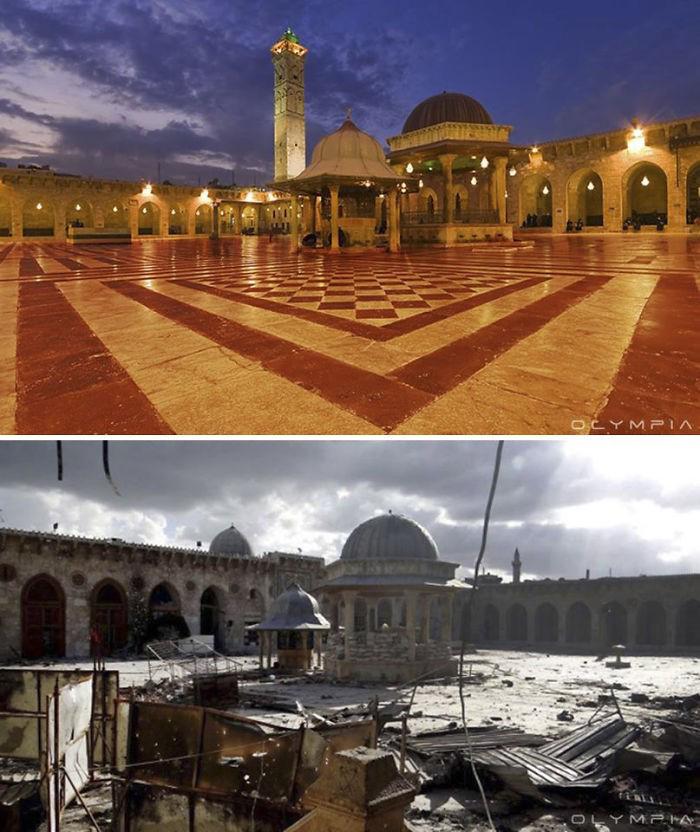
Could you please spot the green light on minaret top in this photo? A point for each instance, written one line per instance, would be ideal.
(290, 36)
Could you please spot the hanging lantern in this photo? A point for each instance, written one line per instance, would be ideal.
(545, 190)
(473, 180)
(39, 206)
(512, 170)
(77, 206)
(409, 168)
(420, 183)
(115, 210)
(591, 186)
(645, 182)
(484, 163)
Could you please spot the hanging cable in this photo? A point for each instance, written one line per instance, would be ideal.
(105, 466)
(467, 617)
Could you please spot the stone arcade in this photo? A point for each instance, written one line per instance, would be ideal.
(394, 607)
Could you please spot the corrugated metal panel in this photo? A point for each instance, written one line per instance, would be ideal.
(437, 742)
(591, 746)
(543, 770)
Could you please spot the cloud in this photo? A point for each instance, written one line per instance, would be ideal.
(620, 505)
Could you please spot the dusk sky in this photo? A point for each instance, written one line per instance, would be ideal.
(622, 504)
(111, 89)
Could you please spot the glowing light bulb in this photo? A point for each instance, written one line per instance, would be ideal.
(636, 141)
(115, 210)
(409, 168)
(645, 182)
(473, 180)
(172, 211)
(196, 213)
(591, 186)
(420, 183)
(484, 163)
(512, 170)
(77, 206)
(545, 190)
(144, 210)
(204, 194)
(39, 206)
(535, 149)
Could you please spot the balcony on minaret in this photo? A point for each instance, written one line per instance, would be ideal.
(289, 42)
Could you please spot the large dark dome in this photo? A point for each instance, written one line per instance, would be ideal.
(448, 106)
(389, 537)
(231, 542)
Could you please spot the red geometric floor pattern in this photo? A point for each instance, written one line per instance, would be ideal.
(494, 320)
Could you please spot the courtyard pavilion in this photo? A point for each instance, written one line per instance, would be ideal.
(350, 185)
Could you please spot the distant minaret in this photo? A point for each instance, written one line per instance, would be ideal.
(516, 567)
(290, 127)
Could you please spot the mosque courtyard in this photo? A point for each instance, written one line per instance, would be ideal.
(551, 334)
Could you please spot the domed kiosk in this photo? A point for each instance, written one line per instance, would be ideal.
(348, 184)
(295, 619)
(390, 600)
(450, 145)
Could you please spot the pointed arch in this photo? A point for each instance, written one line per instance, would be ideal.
(535, 201)
(546, 623)
(645, 193)
(578, 623)
(584, 198)
(108, 618)
(43, 613)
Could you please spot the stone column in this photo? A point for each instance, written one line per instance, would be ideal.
(59, 222)
(294, 222)
(98, 216)
(16, 226)
(335, 244)
(214, 221)
(499, 179)
(261, 637)
(134, 218)
(446, 632)
(393, 218)
(446, 160)
(411, 625)
(269, 649)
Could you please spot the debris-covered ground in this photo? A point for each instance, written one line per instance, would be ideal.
(643, 769)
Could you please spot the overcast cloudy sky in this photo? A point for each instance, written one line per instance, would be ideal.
(110, 89)
(627, 504)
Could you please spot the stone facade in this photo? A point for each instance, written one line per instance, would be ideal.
(243, 587)
(668, 153)
(43, 205)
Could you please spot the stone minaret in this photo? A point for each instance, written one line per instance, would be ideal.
(290, 128)
(516, 567)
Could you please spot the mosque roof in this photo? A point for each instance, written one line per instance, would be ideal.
(294, 609)
(231, 542)
(446, 107)
(389, 537)
(348, 153)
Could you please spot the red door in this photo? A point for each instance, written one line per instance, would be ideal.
(43, 619)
